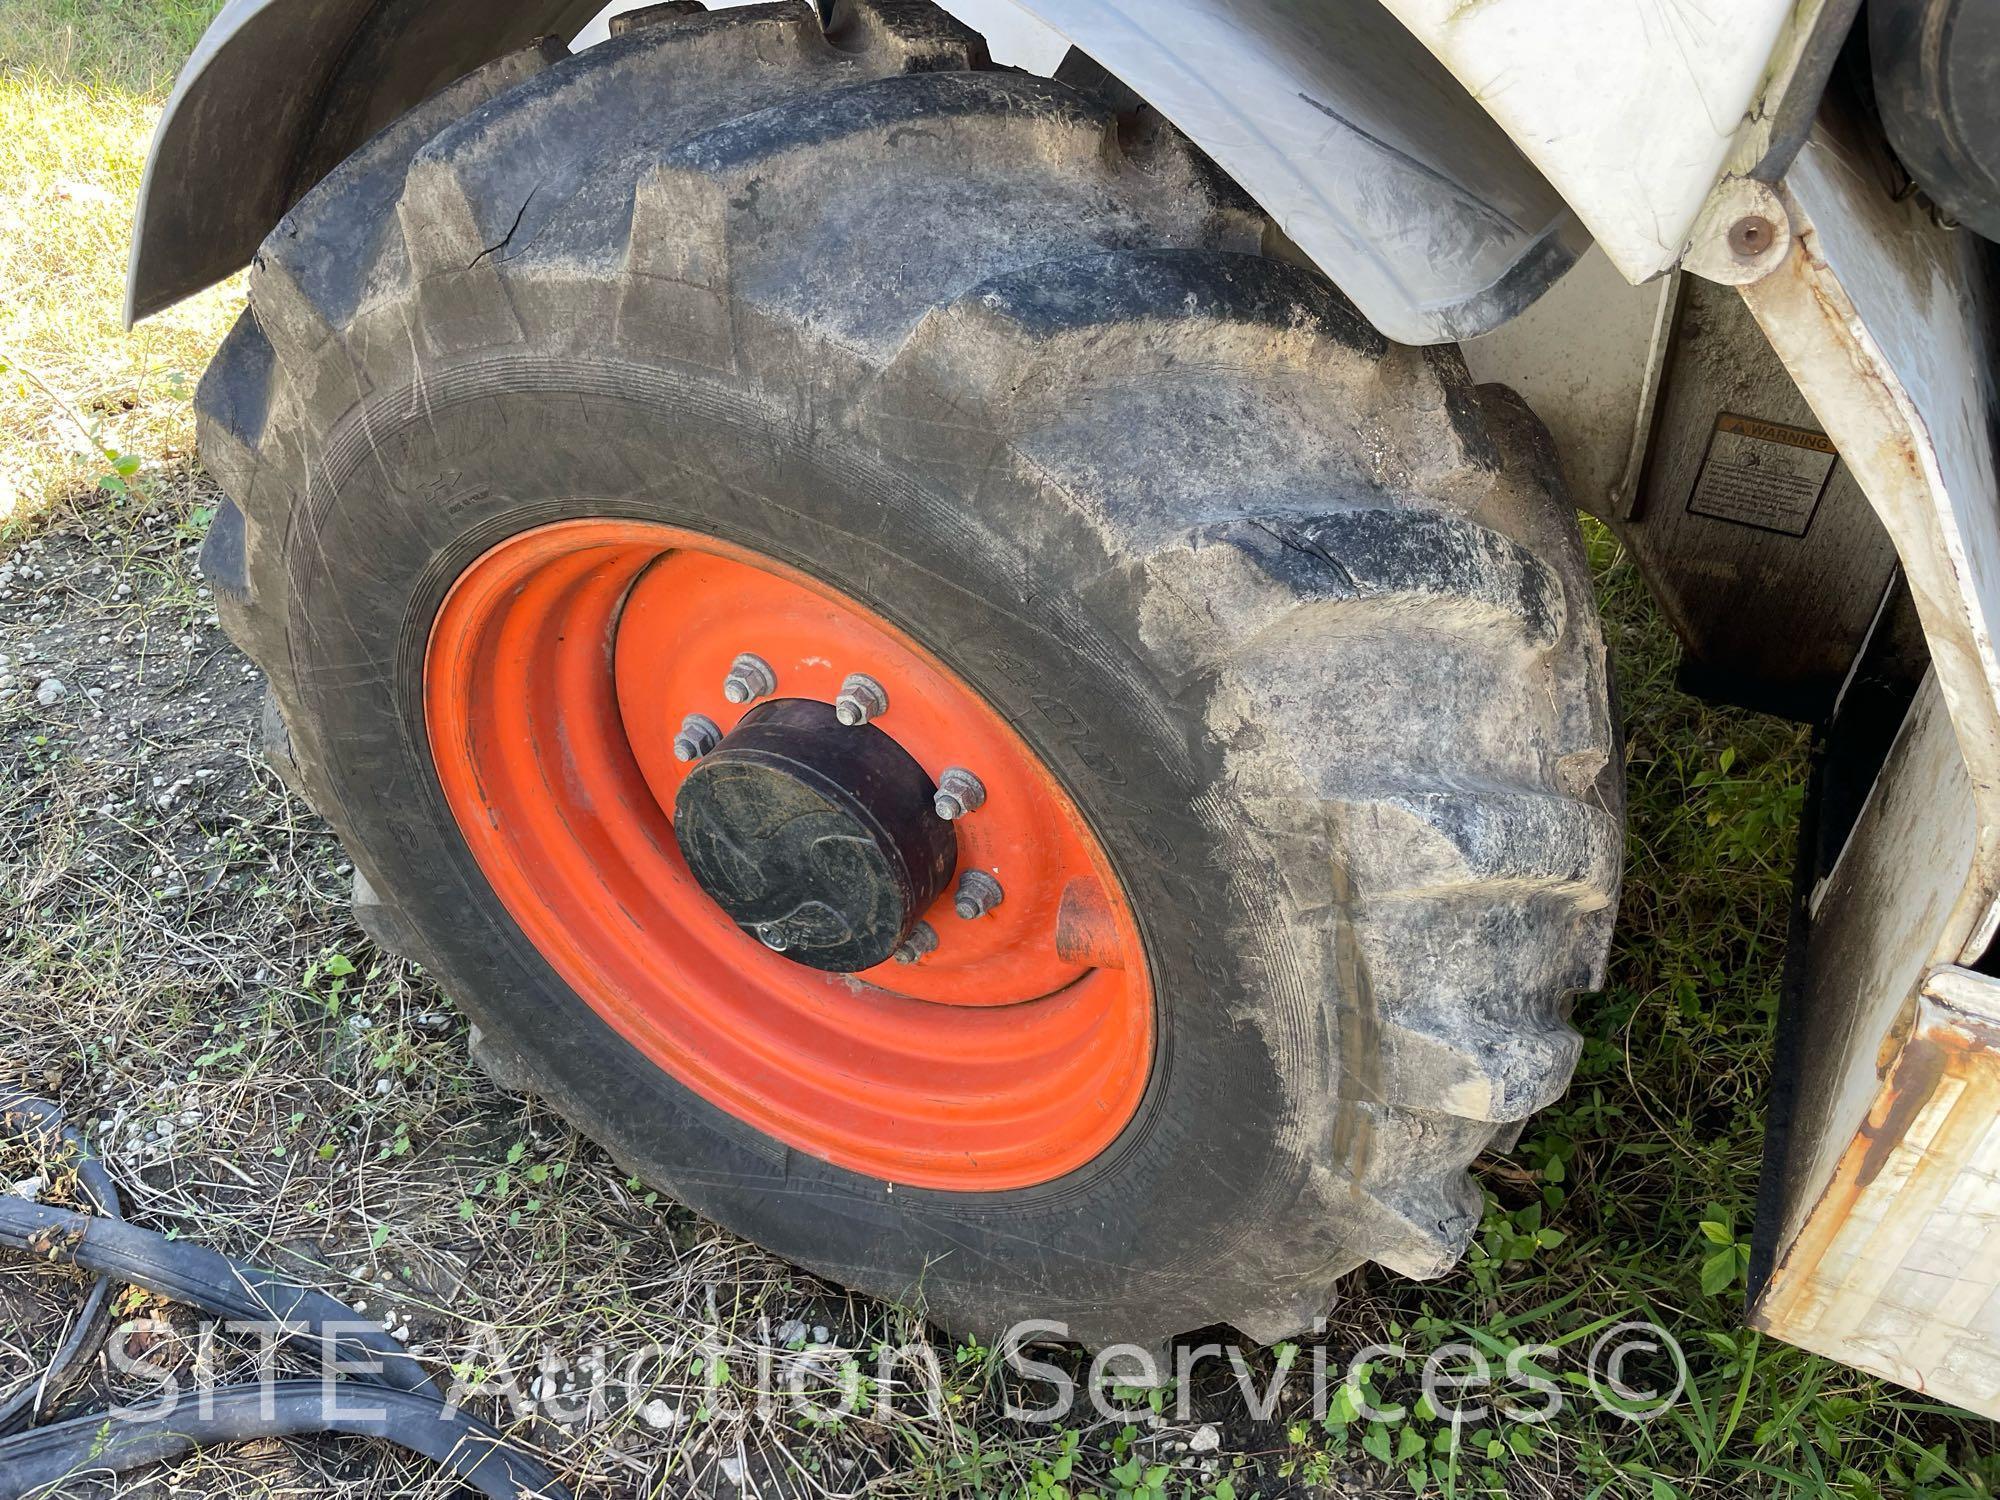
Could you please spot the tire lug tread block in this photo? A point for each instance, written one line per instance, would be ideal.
(233, 407)
(667, 14)
(918, 36)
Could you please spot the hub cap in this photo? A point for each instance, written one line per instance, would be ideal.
(560, 670)
(817, 837)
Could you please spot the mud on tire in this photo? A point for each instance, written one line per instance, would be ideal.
(1298, 617)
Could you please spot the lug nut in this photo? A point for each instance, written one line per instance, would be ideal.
(978, 893)
(699, 735)
(861, 699)
(750, 678)
(959, 792)
(923, 939)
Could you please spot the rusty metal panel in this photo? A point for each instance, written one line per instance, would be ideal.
(1897, 1270)
(1880, 921)
(1883, 1225)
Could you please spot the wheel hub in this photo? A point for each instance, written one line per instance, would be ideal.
(816, 837)
(581, 675)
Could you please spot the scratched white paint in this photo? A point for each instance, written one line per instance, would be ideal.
(1881, 318)
(1630, 107)
(1906, 1282)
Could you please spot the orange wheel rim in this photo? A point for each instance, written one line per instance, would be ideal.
(559, 670)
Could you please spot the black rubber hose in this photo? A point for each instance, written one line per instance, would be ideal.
(390, 1396)
(216, 1284)
(40, 1122)
(237, 1413)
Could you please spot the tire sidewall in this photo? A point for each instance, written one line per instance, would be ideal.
(414, 486)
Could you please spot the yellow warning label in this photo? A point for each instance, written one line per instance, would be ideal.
(1763, 474)
(1775, 432)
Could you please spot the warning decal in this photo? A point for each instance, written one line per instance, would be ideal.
(1763, 474)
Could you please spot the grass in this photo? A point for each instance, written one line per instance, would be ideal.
(81, 83)
(178, 964)
(1646, 1171)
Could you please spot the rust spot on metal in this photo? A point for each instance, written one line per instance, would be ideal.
(1804, 1306)
(1751, 236)
(1917, 1074)
(1894, 1038)
(1086, 931)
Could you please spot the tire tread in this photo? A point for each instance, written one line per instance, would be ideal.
(1330, 508)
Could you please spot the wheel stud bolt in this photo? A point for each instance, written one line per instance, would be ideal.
(750, 678)
(923, 939)
(978, 893)
(959, 792)
(861, 699)
(699, 735)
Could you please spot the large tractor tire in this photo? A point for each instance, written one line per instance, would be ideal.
(659, 474)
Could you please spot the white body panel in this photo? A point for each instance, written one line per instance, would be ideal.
(1355, 139)
(1886, 1237)
(1898, 1270)
(1631, 108)
(1880, 317)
